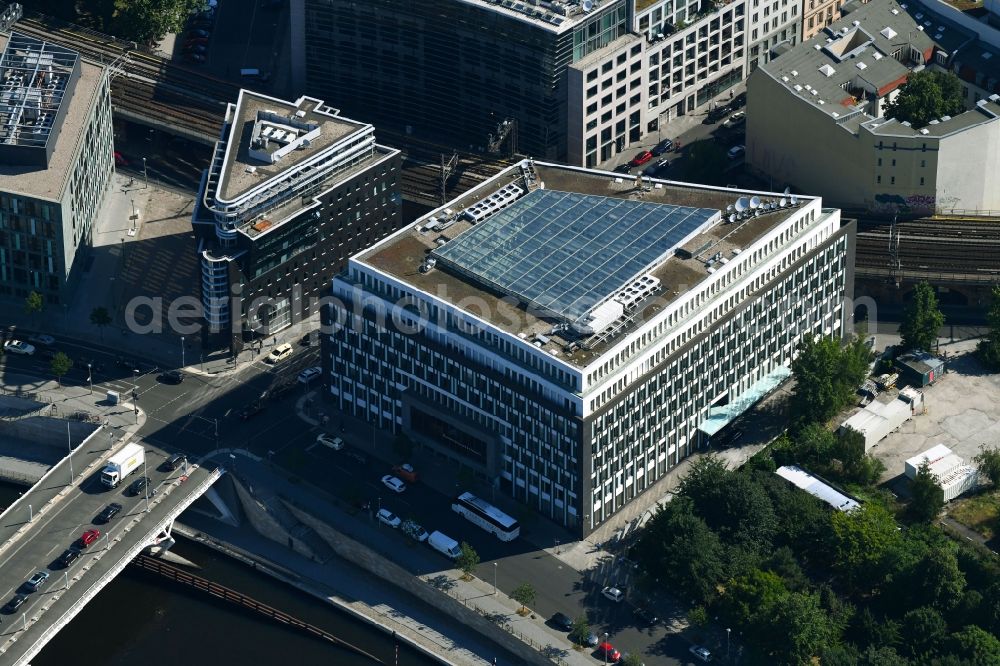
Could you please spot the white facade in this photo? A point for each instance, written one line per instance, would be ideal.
(772, 22)
(578, 439)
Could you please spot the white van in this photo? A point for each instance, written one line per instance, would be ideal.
(444, 544)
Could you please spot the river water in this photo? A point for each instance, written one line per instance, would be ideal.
(142, 619)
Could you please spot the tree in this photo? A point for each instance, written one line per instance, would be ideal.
(860, 539)
(147, 21)
(988, 462)
(988, 349)
(60, 365)
(922, 628)
(926, 496)
(632, 659)
(34, 304)
(524, 594)
(921, 319)
(802, 628)
(468, 559)
(926, 96)
(937, 580)
(100, 318)
(750, 601)
(581, 630)
(705, 162)
(977, 646)
(817, 395)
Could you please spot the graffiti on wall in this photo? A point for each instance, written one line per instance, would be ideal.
(921, 204)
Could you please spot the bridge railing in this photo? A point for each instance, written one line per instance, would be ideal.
(116, 568)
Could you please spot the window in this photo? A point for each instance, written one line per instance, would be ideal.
(878, 180)
(892, 180)
(921, 180)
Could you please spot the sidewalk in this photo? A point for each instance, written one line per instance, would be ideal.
(378, 554)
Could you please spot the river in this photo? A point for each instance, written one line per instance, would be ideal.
(141, 618)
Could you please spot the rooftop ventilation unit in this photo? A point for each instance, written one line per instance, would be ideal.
(924, 131)
(887, 32)
(856, 23)
(945, 118)
(920, 28)
(861, 65)
(827, 71)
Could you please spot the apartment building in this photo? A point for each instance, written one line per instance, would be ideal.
(572, 336)
(775, 26)
(56, 163)
(833, 90)
(292, 191)
(817, 14)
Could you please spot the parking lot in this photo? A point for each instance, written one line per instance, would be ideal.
(963, 413)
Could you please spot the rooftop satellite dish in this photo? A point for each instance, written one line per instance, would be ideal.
(795, 200)
(742, 204)
(788, 190)
(784, 202)
(730, 208)
(754, 202)
(732, 218)
(587, 5)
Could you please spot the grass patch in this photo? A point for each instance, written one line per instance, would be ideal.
(980, 513)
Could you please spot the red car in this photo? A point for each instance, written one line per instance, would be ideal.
(89, 537)
(641, 158)
(608, 651)
(405, 472)
(120, 159)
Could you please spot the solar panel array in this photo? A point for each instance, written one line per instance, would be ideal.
(567, 252)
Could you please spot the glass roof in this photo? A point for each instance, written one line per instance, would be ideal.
(568, 252)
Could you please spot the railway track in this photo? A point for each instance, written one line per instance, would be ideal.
(967, 249)
(157, 90)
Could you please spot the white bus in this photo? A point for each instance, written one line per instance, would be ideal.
(487, 516)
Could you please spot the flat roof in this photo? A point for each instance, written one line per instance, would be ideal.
(566, 252)
(817, 488)
(553, 15)
(50, 183)
(255, 114)
(403, 255)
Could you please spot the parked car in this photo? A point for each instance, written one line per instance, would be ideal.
(251, 410)
(89, 537)
(42, 340)
(389, 518)
(18, 347)
(608, 652)
(393, 484)
(171, 377)
(562, 622)
(591, 640)
(199, 33)
(613, 593)
(309, 374)
(330, 441)
(194, 57)
(717, 114)
(623, 168)
(279, 353)
(646, 616)
(139, 485)
(14, 603)
(36, 581)
(405, 471)
(281, 390)
(658, 168)
(195, 40)
(736, 152)
(641, 158)
(414, 531)
(701, 653)
(735, 120)
(175, 462)
(739, 101)
(120, 159)
(110, 511)
(200, 49)
(662, 147)
(69, 556)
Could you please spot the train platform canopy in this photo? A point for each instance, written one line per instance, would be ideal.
(817, 488)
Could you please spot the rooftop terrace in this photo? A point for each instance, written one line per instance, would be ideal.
(642, 293)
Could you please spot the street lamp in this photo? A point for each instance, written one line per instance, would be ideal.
(146, 489)
(90, 379)
(145, 175)
(69, 448)
(494, 579)
(232, 457)
(182, 352)
(728, 630)
(605, 648)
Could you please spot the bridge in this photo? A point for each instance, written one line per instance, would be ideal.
(51, 516)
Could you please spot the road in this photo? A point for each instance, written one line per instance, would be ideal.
(202, 414)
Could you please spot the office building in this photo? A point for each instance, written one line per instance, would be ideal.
(572, 336)
(56, 162)
(293, 190)
(815, 116)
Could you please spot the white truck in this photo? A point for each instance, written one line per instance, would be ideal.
(444, 544)
(122, 464)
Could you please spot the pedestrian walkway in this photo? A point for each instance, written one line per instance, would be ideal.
(380, 553)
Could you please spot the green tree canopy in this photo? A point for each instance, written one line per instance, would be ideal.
(33, 304)
(632, 659)
(581, 630)
(989, 348)
(988, 462)
(921, 319)
(524, 594)
(146, 21)
(60, 365)
(100, 318)
(922, 629)
(860, 539)
(803, 628)
(468, 559)
(827, 377)
(926, 496)
(925, 96)
(977, 646)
